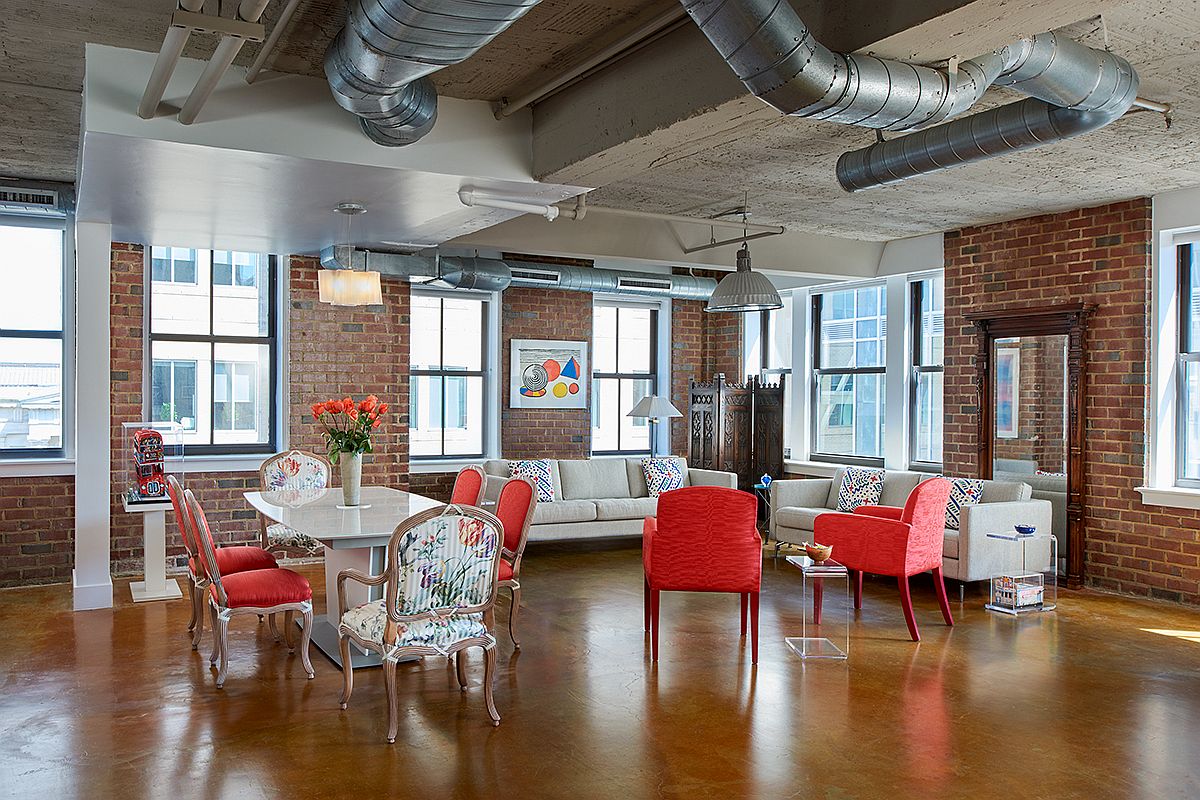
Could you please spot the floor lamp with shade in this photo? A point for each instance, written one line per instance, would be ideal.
(654, 408)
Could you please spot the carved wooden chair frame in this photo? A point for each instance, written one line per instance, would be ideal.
(220, 613)
(482, 481)
(514, 557)
(197, 583)
(262, 482)
(392, 654)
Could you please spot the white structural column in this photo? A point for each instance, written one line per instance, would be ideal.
(93, 438)
(897, 360)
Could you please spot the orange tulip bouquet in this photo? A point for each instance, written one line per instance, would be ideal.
(347, 428)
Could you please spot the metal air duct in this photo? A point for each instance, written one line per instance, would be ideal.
(1077, 89)
(378, 65)
(492, 274)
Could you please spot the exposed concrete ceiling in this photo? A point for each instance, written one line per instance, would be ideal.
(787, 165)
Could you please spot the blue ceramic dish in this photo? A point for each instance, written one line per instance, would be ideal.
(1025, 530)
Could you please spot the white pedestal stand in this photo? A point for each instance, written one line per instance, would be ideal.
(155, 585)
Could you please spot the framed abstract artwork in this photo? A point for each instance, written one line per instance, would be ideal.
(548, 374)
(1008, 382)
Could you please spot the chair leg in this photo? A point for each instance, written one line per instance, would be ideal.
(489, 675)
(274, 627)
(858, 586)
(221, 632)
(216, 651)
(745, 596)
(347, 671)
(305, 638)
(199, 598)
(192, 595)
(906, 602)
(818, 599)
(654, 624)
(289, 630)
(754, 627)
(460, 669)
(646, 604)
(389, 682)
(940, 585)
(514, 607)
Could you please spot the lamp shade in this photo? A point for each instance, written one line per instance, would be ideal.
(346, 287)
(654, 407)
(744, 290)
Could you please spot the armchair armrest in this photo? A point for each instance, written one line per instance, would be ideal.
(872, 544)
(712, 477)
(357, 577)
(887, 512)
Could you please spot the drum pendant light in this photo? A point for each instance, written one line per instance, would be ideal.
(349, 287)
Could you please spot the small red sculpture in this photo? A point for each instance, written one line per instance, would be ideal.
(148, 463)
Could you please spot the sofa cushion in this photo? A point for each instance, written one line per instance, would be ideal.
(538, 471)
(963, 492)
(663, 475)
(950, 544)
(594, 477)
(564, 511)
(860, 486)
(897, 486)
(1005, 491)
(798, 517)
(626, 508)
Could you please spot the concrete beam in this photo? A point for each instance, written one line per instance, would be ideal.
(677, 97)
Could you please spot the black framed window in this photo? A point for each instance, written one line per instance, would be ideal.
(213, 354)
(449, 350)
(1187, 457)
(848, 381)
(928, 368)
(33, 311)
(624, 370)
(775, 356)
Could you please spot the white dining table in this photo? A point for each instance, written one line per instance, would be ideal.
(354, 538)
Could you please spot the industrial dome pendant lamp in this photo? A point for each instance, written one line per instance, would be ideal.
(744, 290)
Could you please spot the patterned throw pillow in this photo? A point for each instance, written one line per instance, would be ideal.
(861, 486)
(538, 471)
(662, 475)
(963, 492)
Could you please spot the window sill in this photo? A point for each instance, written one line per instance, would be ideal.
(238, 463)
(817, 469)
(435, 466)
(35, 467)
(1172, 497)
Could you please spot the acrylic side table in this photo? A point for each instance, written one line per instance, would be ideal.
(833, 622)
(155, 585)
(1026, 590)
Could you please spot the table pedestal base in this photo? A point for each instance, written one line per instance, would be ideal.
(169, 590)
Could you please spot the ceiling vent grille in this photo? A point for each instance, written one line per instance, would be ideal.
(547, 277)
(645, 284)
(16, 199)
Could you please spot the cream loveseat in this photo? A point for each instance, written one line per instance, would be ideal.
(597, 497)
(967, 554)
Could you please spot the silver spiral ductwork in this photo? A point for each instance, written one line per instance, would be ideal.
(491, 274)
(1076, 89)
(378, 65)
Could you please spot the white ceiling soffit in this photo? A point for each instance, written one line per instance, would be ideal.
(266, 163)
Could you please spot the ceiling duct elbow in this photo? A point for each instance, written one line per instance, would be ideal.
(378, 65)
(1076, 89)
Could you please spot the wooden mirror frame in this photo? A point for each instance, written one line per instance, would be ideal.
(1069, 320)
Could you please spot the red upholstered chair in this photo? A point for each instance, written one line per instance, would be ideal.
(258, 591)
(892, 541)
(229, 559)
(468, 486)
(704, 539)
(514, 508)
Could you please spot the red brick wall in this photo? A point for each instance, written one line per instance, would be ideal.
(1100, 255)
(437, 485)
(37, 520)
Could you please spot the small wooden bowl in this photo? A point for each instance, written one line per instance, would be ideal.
(818, 552)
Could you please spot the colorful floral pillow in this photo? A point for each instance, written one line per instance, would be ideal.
(662, 475)
(538, 471)
(963, 492)
(861, 486)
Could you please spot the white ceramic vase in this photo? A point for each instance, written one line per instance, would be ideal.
(351, 466)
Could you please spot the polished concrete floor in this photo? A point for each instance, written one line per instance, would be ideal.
(1099, 700)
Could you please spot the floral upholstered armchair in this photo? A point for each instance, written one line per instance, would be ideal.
(295, 471)
(440, 582)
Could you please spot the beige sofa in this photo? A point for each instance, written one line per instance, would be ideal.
(597, 497)
(967, 553)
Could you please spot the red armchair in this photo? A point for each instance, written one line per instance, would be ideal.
(514, 509)
(892, 541)
(468, 486)
(704, 539)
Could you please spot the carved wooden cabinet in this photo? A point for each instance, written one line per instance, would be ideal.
(736, 428)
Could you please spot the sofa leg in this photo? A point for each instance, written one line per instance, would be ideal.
(962, 592)
(906, 602)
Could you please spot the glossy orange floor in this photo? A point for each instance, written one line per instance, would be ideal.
(1089, 702)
